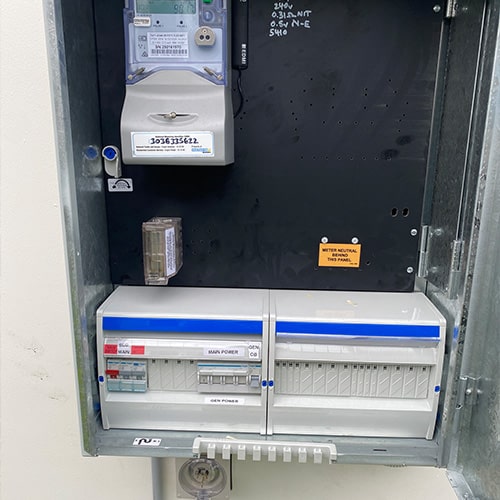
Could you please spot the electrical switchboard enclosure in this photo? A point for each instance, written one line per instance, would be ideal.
(319, 160)
(183, 359)
(338, 363)
(177, 107)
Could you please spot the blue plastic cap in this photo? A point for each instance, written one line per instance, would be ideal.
(271, 383)
(264, 383)
(109, 153)
(437, 388)
(90, 152)
(101, 378)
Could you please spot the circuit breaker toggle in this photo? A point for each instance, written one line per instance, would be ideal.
(222, 378)
(126, 375)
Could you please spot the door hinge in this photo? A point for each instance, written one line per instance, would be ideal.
(457, 249)
(468, 391)
(422, 252)
(451, 9)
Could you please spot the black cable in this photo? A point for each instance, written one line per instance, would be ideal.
(242, 96)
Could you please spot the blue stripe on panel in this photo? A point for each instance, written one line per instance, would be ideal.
(182, 325)
(358, 330)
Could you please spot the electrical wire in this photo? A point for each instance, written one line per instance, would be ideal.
(242, 95)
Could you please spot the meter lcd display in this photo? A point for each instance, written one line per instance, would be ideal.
(166, 6)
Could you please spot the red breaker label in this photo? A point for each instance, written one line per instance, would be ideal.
(110, 349)
(124, 349)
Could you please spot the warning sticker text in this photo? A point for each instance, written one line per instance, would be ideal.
(339, 255)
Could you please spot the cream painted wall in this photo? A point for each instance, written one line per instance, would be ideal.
(40, 444)
(40, 455)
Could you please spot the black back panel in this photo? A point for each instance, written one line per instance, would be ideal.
(332, 142)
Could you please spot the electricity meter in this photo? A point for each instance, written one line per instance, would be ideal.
(177, 107)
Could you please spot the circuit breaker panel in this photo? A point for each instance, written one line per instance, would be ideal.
(347, 363)
(183, 359)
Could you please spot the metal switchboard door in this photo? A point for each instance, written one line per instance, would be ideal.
(478, 451)
(474, 417)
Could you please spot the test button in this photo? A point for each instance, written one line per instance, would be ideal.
(208, 16)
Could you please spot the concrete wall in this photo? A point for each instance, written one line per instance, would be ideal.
(39, 442)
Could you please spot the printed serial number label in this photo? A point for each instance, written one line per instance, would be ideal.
(225, 352)
(147, 442)
(168, 45)
(170, 256)
(183, 144)
(339, 255)
(142, 21)
(221, 400)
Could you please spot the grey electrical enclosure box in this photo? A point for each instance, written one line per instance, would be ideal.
(338, 295)
(270, 362)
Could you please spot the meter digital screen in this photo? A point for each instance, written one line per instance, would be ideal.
(166, 6)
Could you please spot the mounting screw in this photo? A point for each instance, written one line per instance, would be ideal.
(409, 270)
(436, 8)
(324, 239)
(354, 240)
(414, 232)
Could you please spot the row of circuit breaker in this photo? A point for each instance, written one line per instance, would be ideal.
(300, 378)
(126, 375)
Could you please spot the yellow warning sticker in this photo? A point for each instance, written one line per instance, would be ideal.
(339, 255)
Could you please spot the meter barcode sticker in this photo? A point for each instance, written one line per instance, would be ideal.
(224, 400)
(178, 144)
(168, 45)
(170, 257)
(147, 442)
